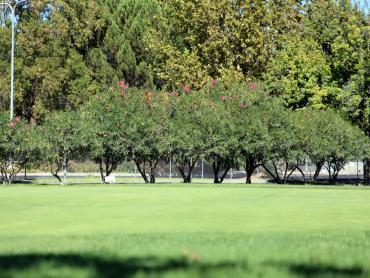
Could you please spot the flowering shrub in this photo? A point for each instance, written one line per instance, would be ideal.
(19, 144)
(15, 121)
(187, 90)
(253, 86)
(123, 87)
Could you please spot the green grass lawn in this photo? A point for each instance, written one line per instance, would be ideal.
(184, 231)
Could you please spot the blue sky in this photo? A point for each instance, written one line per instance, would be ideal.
(365, 4)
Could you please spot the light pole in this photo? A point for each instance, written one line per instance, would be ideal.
(14, 21)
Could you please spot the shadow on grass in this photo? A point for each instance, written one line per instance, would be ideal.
(309, 270)
(13, 265)
(114, 267)
(319, 270)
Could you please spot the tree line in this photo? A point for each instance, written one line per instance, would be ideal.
(235, 125)
(309, 54)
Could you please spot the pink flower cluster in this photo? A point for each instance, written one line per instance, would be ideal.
(213, 84)
(185, 88)
(123, 86)
(253, 86)
(17, 120)
(223, 98)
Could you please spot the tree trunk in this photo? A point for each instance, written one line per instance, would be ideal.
(153, 166)
(191, 164)
(57, 177)
(317, 171)
(216, 170)
(367, 171)
(141, 170)
(285, 178)
(4, 177)
(275, 176)
(188, 179)
(224, 174)
(152, 176)
(335, 177)
(249, 171)
(55, 174)
(268, 171)
(102, 172)
(300, 170)
(251, 164)
(182, 173)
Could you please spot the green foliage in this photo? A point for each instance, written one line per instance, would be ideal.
(195, 41)
(66, 136)
(19, 145)
(330, 141)
(127, 22)
(69, 54)
(252, 106)
(300, 75)
(283, 151)
(187, 140)
(147, 130)
(108, 119)
(51, 70)
(325, 62)
(221, 145)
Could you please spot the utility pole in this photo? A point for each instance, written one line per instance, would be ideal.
(14, 21)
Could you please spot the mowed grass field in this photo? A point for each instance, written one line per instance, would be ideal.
(184, 231)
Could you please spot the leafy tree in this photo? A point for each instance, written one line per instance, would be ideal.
(53, 39)
(19, 145)
(327, 58)
(66, 136)
(252, 131)
(300, 74)
(186, 142)
(107, 114)
(221, 147)
(127, 22)
(330, 141)
(147, 130)
(283, 151)
(223, 39)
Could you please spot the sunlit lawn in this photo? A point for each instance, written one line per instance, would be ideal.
(184, 231)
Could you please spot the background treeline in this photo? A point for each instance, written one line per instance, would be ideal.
(313, 57)
(229, 126)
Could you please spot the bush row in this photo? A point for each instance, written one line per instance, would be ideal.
(228, 126)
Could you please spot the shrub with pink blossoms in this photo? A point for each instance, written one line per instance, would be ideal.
(187, 89)
(253, 86)
(123, 87)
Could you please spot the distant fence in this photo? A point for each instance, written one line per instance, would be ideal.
(352, 171)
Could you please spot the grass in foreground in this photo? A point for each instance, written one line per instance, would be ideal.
(195, 231)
